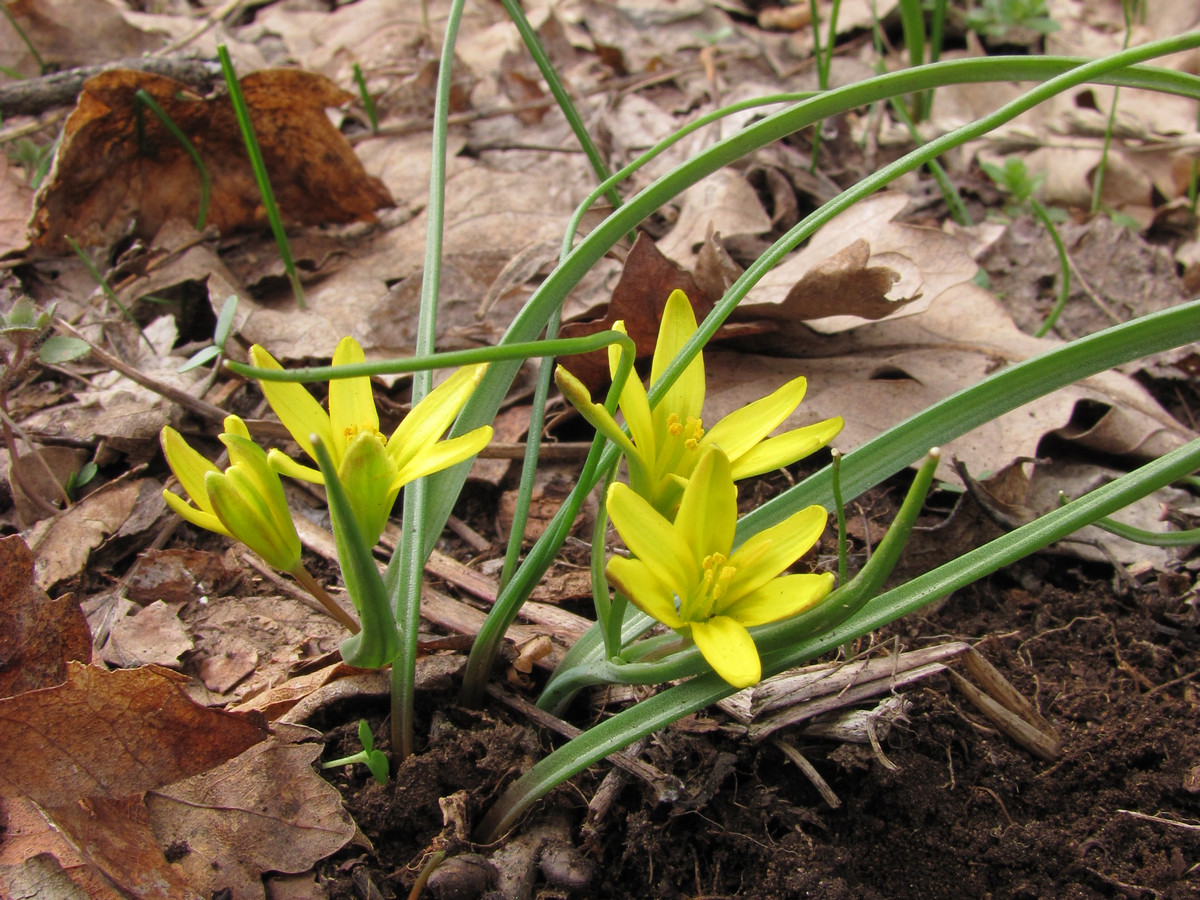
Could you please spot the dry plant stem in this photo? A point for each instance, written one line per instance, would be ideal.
(36, 95)
(310, 584)
(187, 401)
(664, 785)
(811, 773)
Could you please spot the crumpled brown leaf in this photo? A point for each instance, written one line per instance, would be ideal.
(112, 734)
(266, 810)
(38, 636)
(106, 182)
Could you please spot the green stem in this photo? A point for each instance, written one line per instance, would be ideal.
(1064, 268)
(410, 554)
(254, 152)
(561, 95)
(188, 146)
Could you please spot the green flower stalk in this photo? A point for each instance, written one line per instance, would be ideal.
(245, 502)
(665, 443)
(687, 575)
(371, 468)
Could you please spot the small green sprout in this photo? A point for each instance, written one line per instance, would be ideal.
(994, 19)
(78, 479)
(220, 334)
(368, 101)
(375, 759)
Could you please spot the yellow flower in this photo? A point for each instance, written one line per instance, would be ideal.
(371, 467)
(686, 575)
(666, 442)
(245, 501)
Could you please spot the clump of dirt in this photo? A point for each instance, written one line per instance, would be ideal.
(965, 813)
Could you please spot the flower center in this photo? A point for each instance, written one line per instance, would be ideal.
(714, 580)
(691, 431)
(350, 432)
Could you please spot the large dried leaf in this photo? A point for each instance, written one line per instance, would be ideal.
(115, 838)
(57, 29)
(38, 636)
(112, 734)
(829, 279)
(879, 374)
(267, 810)
(106, 180)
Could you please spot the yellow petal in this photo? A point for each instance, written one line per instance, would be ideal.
(188, 465)
(707, 513)
(780, 598)
(197, 517)
(249, 518)
(251, 461)
(785, 449)
(653, 539)
(745, 427)
(729, 649)
(766, 554)
(442, 455)
(635, 580)
(351, 401)
(633, 404)
(234, 425)
(686, 396)
(299, 412)
(427, 421)
(285, 465)
(599, 418)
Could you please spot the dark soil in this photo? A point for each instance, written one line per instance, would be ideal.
(966, 813)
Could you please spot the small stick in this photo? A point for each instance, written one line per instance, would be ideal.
(822, 786)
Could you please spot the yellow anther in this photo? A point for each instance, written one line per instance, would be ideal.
(674, 426)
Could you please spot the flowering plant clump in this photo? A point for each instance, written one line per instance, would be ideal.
(687, 575)
(666, 442)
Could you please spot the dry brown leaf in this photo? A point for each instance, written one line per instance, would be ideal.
(38, 636)
(927, 262)
(63, 543)
(16, 202)
(725, 202)
(36, 860)
(55, 28)
(114, 837)
(266, 810)
(879, 374)
(105, 182)
(152, 636)
(112, 734)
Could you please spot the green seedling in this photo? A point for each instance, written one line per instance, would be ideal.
(260, 173)
(376, 761)
(215, 350)
(368, 101)
(78, 479)
(995, 19)
(106, 288)
(34, 158)
(1014, 179)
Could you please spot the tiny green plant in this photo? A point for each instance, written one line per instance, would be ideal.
(215, 351)
(368, 101)
(261, 177)
(375, 760)
(996, 19)
(1015, 179)
(34, 158)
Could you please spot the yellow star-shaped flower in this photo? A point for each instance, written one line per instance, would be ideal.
(666, 442)
(687, 575)
(372, 468)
